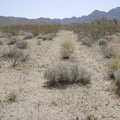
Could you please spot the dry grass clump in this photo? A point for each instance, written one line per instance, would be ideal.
(87, 41)
(12, 41)
(15, 56)
(109, 52)
(21, 44)
(67, 49)
(64, 74)
(12, 96)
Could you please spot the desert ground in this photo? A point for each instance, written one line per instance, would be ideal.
(35, 101)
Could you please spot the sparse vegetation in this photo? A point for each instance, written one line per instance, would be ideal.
(14, 30)
(96, 29)
(63, 74)
(67, 49)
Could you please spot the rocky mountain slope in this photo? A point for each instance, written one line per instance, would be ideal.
(111, 14)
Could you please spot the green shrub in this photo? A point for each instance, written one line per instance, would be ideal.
(67, 49)
(87, 41)
(64, 74)
(21, 44)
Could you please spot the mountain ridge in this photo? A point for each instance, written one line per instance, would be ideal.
(96, 14)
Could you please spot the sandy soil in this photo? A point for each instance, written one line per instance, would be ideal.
(36, 102)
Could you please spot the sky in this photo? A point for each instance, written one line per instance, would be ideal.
(54, 8)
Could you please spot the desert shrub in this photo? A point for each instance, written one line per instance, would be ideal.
(49, 36)
(28, 36)
(87, 41)
(102, 42)
(80, 74)
(109, 52)
(113, 65)
(63, 74)
(39, 42)
(12, 96)
(57, 73)
(14, 55)
(67, 49)
(21, 44)
(12, 41)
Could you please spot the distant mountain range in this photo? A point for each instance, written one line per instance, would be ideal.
(111, 14)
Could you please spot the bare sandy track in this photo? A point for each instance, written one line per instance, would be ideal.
(36, 102)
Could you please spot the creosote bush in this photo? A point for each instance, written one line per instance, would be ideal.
(63, 74)
(67, 49)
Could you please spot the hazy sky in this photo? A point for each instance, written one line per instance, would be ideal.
(54, 8)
